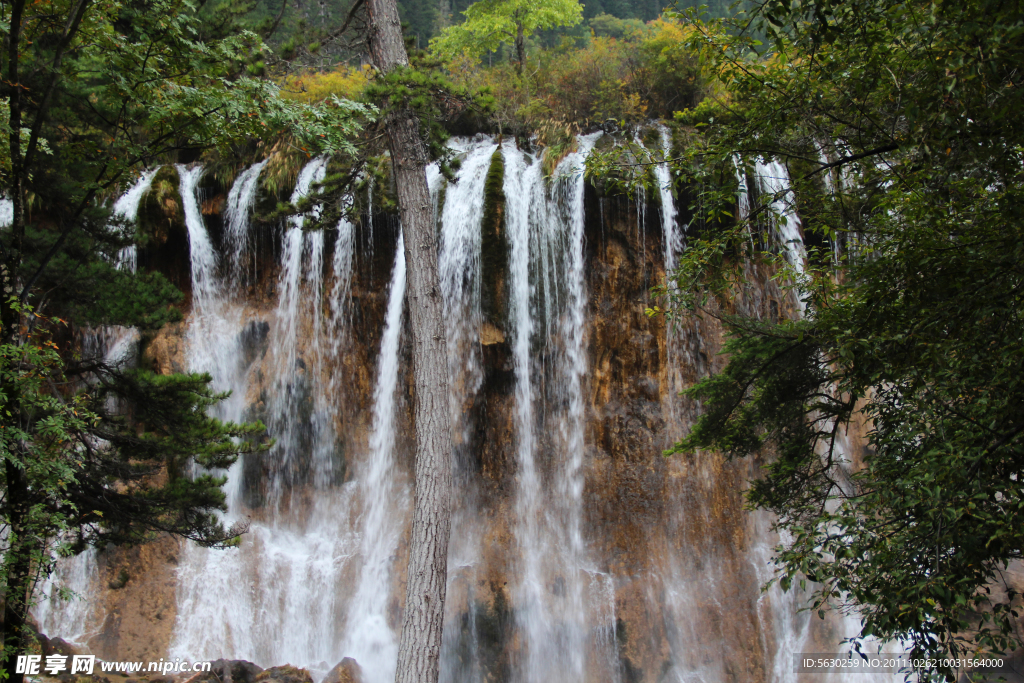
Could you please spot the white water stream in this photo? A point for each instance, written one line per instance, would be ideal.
(368, 637)
(241, 199)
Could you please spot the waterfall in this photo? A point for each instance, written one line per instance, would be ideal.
(6, 212)
(780, 612)
(670, 229)
(72, 619)
(542, 586)
(571, 369)
(640, 202)
(297, 347)
(290, 563)
(555, 601)
(126, 208)
(241, 199)
(774, 181)
(117, 346)
(524, 196)
(341, 273)
(202, 256)
(461, 273)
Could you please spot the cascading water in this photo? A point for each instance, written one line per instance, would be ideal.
(296, 344)
(290, 565)
(673, 247)
(534, 594)
(561, 597)
(460, 271)
(6, 212)
(241, 199)
(73, 619)
(368, 637)
(778, 612)
(782, 613)
(773, 180)
(670, 229)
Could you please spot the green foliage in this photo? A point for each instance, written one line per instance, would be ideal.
(108, 463)
(900, 123)
(342, 82)
(648, 75)
(491, 23)
(613, 27)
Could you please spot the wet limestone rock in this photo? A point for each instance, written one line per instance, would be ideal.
(164, 351)
(137, 619)
(494, 246)
(56, 646)
(346, 671)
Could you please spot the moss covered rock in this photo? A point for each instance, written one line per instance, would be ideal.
(494, 246)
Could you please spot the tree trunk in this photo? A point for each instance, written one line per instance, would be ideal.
(12, 250)
(520, 47)
(420, 645)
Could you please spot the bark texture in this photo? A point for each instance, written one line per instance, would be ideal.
(420, 645)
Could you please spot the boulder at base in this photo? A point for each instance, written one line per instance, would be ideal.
(228, 671)
(56, 646)
(283, 674)
(346, 671)
(235, 670)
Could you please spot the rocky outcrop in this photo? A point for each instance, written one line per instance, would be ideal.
(56, 646)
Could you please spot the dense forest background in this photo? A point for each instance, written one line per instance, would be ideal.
(310, 28)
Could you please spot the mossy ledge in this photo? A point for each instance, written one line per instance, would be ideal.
(493, 244)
